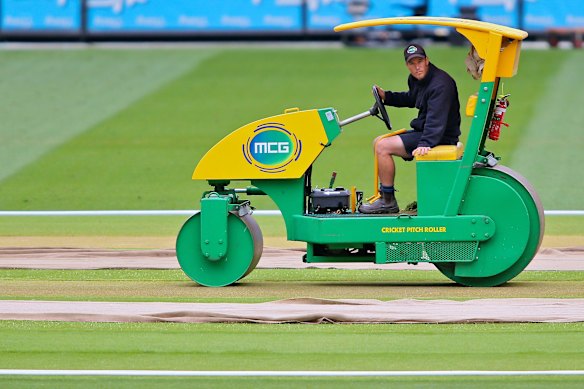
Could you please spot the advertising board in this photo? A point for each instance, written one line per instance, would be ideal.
(41, 15)
(193, 15)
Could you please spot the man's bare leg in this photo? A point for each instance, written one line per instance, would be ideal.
(385, 149)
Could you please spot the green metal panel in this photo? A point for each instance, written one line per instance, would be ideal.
(330, 123)
(370, 229)
(435, 180)
(288, 194)
(473, 142)
(485, 134)
(214, 226)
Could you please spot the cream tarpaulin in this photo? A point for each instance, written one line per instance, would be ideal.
(304, 310)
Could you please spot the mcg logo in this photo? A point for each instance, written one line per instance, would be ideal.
(272, 148)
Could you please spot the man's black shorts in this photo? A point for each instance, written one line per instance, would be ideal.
(411, 140)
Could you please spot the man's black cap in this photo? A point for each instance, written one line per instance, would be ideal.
(414, 50)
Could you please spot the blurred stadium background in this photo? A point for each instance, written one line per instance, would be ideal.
(260, 19)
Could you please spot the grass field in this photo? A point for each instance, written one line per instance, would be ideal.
(351, 382)
(123, 129)
(166, 346)
(273, 284)
(290, 347)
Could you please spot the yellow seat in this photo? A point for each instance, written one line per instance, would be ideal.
(443, 153)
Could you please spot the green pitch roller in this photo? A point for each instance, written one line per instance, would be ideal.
(479, 222)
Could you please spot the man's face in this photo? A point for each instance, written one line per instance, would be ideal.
(418, 67)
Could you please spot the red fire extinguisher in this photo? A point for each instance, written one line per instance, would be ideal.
(497, 119)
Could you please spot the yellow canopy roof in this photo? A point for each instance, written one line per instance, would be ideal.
(499, 46)
(475, 25)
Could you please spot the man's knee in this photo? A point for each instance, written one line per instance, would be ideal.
(376, 141)
(392, 145)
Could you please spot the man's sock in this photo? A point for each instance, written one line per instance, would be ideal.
(387, 189)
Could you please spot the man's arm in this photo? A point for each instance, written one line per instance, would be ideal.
(397, 99)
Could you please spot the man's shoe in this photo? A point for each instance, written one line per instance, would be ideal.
(385, 204)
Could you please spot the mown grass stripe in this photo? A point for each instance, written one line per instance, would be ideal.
(48, 97)
(550, 150)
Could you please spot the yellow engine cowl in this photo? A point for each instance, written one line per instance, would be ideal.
(282, 146)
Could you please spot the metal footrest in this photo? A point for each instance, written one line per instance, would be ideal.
(425, 252)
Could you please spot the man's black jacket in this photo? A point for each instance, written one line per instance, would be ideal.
(436, 97)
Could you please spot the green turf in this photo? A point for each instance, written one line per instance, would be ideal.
(142, 156)
(266, 275)
(268, 285)
(113, 225)
(92, 225)
(54, 345)
(550, 151)
(137, 151)
(56, 95)
(543, 382)
(564, 225)
(133, 143)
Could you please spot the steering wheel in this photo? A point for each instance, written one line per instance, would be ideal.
(379, 108)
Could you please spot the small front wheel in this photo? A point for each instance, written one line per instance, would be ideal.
(244, 250)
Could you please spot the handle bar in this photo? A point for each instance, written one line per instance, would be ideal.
(372, 112)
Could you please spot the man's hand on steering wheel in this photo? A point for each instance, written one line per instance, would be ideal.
(381, 92)
(379, 106)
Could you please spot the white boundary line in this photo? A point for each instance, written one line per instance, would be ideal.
(192, 212)
(309, 373)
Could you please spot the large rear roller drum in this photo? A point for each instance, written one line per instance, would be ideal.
(244, 250)
(512, 203)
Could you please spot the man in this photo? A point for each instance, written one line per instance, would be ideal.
(434, 93)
